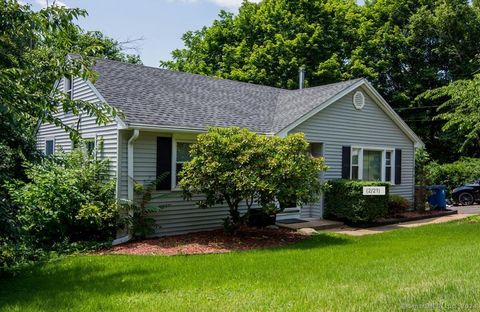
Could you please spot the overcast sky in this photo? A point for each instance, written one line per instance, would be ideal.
(161, 23)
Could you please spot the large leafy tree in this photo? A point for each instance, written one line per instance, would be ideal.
(460, 110)
(33, 49)
(405, 47)
(267, 43)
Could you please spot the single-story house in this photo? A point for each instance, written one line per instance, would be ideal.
(349, 123)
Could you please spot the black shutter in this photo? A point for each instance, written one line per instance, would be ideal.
(398, 166)
(346, 158)
(164, 163)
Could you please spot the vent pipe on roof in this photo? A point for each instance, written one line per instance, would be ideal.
(301, 77)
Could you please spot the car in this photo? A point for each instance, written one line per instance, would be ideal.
(467, 194)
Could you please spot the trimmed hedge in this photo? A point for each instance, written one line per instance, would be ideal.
(452, 175)
(344, 200)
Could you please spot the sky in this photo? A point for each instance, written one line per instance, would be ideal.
(160, 23)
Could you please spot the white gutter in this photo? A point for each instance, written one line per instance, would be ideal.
(130, 178)
(132, 139)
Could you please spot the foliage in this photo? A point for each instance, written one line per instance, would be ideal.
(465, 170)
(422, 159)
(266, 43)
(461, 111)
(404, 47)
(68, 198)
(33, 56)
(397, 204)
(137, 216)
(344, 200)
(104, 47)
(236, 165)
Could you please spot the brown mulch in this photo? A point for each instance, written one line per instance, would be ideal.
(413, 214)
(209, 242)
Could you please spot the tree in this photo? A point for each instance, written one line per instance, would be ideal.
(267, 43)
(33, 49)
(461, 111)
(96, 44)
(232, 165)
(404, 47)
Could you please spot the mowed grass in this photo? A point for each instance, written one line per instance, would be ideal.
(435, 266)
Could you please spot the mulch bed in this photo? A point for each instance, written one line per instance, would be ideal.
(209, 242)
(404, 217)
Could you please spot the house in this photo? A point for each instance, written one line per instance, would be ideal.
(348, 123)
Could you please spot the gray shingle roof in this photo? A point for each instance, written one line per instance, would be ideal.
(154, 96)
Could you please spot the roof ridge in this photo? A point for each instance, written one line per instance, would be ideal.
(224, 79)
(193, 74)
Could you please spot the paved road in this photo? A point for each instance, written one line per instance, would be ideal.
(467, 209)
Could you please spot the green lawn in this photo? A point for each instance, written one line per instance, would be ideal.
(437, 264)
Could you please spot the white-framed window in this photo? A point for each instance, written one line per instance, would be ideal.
(49, 147)
(180, 155)
(372, 164)
(90, 145)
(316, 149)
(69, 87)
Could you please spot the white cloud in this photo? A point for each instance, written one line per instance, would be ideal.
(45, 3)
(231, 4)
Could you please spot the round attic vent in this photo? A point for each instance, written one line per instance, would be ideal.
(358, 100)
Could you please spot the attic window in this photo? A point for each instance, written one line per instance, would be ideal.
(358, 100)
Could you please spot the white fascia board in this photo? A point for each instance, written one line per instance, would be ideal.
(175, 129)
(147, 127)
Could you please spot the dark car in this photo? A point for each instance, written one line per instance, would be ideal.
(467, 194)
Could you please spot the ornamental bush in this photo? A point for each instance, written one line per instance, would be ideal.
(344, 200)
(233, 165)
(68, 198)
(397, 204)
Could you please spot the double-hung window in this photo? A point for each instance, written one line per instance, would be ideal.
(90, 145)
(69, 87)
(372, 164)
(182, 153)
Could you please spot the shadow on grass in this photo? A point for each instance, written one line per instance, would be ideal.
(320, 240)
(67, 283)
(56, 286)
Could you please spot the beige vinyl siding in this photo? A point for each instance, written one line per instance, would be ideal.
(87, 127)
(341, 124)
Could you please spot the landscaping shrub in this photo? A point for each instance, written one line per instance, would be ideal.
(233, 165)
(68, 198)
(344, 200)
(397, 204)
(465, 170)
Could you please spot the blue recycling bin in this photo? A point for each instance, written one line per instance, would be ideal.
(438, 196)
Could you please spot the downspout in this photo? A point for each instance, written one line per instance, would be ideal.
(130, 178)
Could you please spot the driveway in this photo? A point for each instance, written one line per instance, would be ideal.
(474, 209)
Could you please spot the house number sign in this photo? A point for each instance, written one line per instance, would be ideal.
(374, 190)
